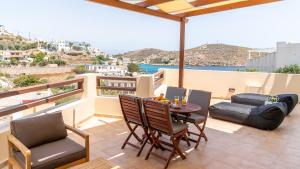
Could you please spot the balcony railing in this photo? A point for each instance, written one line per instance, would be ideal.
(116, 85)
(40, 101)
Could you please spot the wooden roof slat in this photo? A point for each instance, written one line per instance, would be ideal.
(205, 2)
(231, 6)
(148, 3)
(136, 8)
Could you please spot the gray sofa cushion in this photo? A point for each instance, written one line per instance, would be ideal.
(266, 117)
(254, 99)
(54, 154)
(291, 100)
(249, 99)
(38, 130)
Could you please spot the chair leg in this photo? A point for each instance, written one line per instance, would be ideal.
(145, 140)
(170, 158)
(202, 134)
(176, 142)
(143, 145)
(155, 142)
(131, 133)
(136, 136)
(187, 139)
(10, 166)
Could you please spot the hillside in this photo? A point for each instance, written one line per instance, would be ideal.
(13, 42)
(210, 54)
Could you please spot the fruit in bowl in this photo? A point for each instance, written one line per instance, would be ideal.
(159, 98)
(165, 100)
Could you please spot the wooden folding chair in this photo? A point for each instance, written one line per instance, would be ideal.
(133, 115)
(160, 123)
(199, 119)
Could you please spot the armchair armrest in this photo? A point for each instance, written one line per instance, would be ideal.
(13, 142)
(75, 130)
(83, 135)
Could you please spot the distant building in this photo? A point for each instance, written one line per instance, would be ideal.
(63, 46)
(284, 55)
(125, 61)
(7, 55)
(96, 52)
(108, 70)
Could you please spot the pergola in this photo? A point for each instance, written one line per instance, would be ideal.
(179, 11)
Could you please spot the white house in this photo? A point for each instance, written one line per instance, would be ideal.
(63, 46)
(284, 55)
(108, 70)
(7, 55)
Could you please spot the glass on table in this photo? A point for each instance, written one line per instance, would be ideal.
(176, 100)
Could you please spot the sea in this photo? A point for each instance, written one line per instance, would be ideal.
(150, 69)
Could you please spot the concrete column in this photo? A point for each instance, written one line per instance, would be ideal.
(144, 86)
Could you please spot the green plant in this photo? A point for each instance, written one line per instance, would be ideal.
(292, 69)
(100, 59)
(4, 75)
(70, 77)
(27, 80)
(251, 70)
(38, 58)
(14, 61)
(132, 67)
(43, 63)
(247, 70)
(80, 69)
(59, 62)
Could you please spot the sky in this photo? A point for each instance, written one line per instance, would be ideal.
(115, 31)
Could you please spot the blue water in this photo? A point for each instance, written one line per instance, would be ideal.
(150, 69)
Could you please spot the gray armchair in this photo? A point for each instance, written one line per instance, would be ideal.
(41, 142)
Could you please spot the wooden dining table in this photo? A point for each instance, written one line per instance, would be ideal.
(186, 109)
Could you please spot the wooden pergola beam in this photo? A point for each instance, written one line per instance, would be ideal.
(148, 3)
(142, 7)
(204, 2)
(136, 8)
(181, 52)
(236, 5)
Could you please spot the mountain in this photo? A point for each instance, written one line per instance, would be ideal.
(209, 54)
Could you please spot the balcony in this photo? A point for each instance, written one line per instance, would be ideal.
(96, 110)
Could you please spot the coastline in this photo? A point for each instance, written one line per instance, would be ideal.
(152, 68)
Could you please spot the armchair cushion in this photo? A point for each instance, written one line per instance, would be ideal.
(54, 154)
(39, 130)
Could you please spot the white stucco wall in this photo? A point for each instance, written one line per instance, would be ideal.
(286, 54)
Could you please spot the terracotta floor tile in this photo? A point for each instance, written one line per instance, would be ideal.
(229, 146)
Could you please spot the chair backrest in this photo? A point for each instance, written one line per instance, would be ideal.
(38, 130)
(158, 116)
(201, 98)
(175, 91)
(132, 109)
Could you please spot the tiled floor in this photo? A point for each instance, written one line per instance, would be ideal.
(229, 146)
